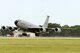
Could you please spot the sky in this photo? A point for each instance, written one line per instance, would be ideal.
(63, 12)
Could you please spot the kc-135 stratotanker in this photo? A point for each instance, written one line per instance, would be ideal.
(25, 26)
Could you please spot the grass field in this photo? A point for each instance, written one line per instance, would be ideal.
(39, 45)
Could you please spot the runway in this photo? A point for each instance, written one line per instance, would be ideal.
(39, 37)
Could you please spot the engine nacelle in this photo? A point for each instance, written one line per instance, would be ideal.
(12, 28)
(4, 27)
(8, 28)
(56, 29)
(43, 30)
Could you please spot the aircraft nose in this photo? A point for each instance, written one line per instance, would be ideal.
(16, 22)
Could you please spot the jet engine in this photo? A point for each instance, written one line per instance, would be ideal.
(4, 28)
(12, 28)
(43, 30)
(8, 28)
(56, 29)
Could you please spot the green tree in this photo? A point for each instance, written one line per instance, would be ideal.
(65, 26)
(76, 26)
(53, 25)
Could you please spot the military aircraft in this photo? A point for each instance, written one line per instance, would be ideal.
(29, 27)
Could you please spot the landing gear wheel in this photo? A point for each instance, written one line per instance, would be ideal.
(37, 34)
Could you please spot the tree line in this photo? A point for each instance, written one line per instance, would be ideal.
(67, 31)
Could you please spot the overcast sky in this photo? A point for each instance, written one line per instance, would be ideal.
(64, 12)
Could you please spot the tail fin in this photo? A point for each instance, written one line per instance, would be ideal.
(46, 22)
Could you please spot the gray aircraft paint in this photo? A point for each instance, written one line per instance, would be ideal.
(46, 22)
(25, 24)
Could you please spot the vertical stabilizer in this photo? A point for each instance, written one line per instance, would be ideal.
(46, 22)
